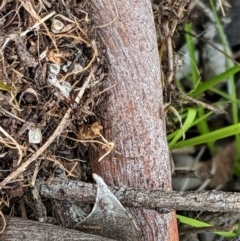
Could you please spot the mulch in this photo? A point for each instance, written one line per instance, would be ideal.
(52, 71)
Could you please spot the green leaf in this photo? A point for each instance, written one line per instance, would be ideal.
(187, 124)
(195, 122)
(206, 85)
(200, 224)
(190, 42)
(5, 87)
(210, 137)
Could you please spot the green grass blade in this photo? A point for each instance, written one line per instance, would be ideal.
(204, 86)
(196, 121)
(5, 87)
(195, 77)
(210, 137)
(187, 124)
(200, 224)
(231, 81)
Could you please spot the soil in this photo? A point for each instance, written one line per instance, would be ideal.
(52, 70)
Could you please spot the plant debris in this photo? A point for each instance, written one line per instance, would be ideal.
(52, 70)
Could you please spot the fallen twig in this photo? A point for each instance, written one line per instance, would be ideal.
(14, 142)
(28, 230)
(23, 34)
(212, 201)
(61, 127)
(4, 223)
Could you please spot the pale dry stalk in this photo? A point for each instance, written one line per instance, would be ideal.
(61, 127)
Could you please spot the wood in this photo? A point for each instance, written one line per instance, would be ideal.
(133, 116)
(210, 201)
(28, 230)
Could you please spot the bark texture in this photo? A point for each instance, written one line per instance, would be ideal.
(19, 229)
(210, 201)
(133, 113)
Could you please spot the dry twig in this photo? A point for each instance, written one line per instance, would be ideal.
(211, 201)
(4, 222)
(61, 127)
(19, 147)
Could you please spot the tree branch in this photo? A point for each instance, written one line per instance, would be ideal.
(212, 201)
(133, 114)
(28, 230)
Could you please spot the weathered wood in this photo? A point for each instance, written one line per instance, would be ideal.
(20, 229)
(133, 114)
(211, 201)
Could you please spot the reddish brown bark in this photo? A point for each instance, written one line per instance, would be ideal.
(133, 113)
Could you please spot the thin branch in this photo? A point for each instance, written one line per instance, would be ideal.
(212, 201)
(28, 230)
(61, 127)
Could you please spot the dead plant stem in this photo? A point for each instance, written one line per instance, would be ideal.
(61, 127)
(211, 201)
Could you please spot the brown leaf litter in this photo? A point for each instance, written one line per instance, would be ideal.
(51, 74)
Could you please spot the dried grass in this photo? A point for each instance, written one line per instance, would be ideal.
(35, 36)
